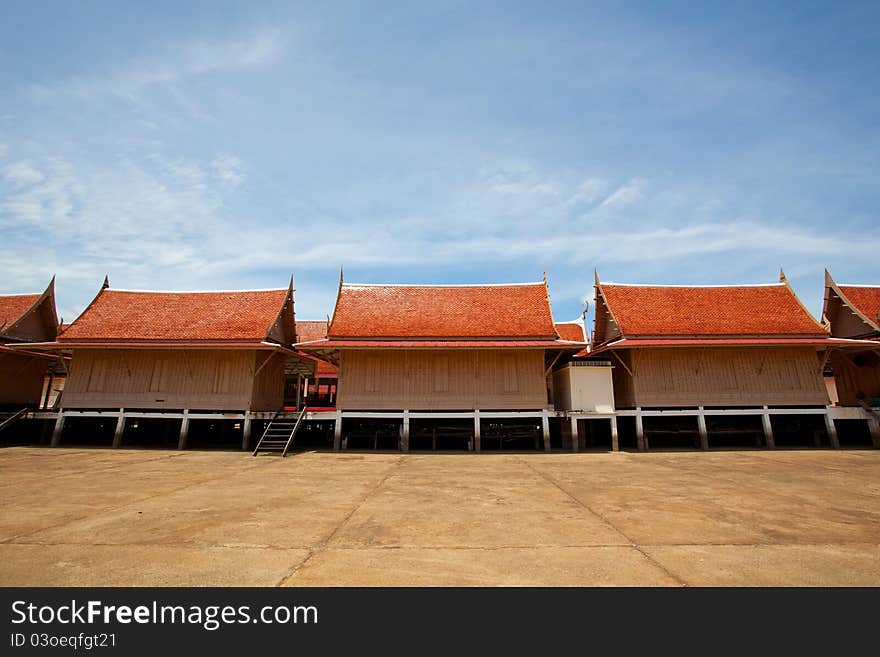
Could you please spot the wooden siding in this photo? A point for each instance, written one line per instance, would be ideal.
(720, 377)
(21, 379)
(173, 379)
(441, 380)
(855, 382)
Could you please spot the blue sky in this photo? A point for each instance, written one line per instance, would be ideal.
(226, 145)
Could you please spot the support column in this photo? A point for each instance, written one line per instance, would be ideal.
(615, 441)
(404, 440)
(874, 428)
(575, 438)
(768, 429)
(120, 428)
(641, 443)
(832, 431)
(704, 431)
(59, 426)
(246, 431)
(545, 424)
(184, 430)
(337, 432)
(477, 430)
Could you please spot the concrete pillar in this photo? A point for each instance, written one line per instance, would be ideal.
(246, 431)
(545, 424)
(768, 429)
(404, 438)
(337, 432)
(615, 441)
(59, 426)
(184, 430)
(575, 438)
(641, 443)
(120, 428)
(832, 431)
(874, 428)
(476, 430)
(704, 431)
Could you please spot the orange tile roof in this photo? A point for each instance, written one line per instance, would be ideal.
(417, 311)
(13, 306)
(761, 310)
(570, 331)
(117, 315)
(308, 330)
(865, 299)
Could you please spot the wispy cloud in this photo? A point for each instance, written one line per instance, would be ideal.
(174, 64)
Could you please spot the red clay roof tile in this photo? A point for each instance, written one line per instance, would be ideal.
(13, 306)
(117, 315)
(762, 310)
(866, 299)
(308, 330)
(570, 331)
(416, 311)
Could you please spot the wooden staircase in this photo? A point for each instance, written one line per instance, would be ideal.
(279, 434)
(8, 418)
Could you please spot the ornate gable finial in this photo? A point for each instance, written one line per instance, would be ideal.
(106, 283)
(782, 278)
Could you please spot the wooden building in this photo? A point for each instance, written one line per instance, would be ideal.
(144, 355)
(472, 354)
(25, 318)
(717, 356)
(852, 312)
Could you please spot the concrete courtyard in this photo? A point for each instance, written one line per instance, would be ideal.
(144, 517)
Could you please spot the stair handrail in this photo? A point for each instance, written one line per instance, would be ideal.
(12, 418)
(295, 428)
(266, 430)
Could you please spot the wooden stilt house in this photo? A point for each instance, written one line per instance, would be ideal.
(427, 358)
(145, 355)
(700, 360)
(852, 312)
(25, 318)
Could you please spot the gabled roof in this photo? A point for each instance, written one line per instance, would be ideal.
(442, 311)
(865, 299)
(704, 311)
(13, 306)
(573, 331)
(29, 317)
(308, 330)
(235, 318)
(852, 311)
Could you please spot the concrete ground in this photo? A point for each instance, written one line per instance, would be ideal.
(145, 517)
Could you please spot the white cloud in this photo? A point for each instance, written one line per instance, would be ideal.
(22, 173)
(623, 195)
(228, 169)
(173, 64)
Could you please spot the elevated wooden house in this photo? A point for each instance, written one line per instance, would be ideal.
(711, 352)
(852, 312)
(422, 353)
(184, 355)
(24, 319)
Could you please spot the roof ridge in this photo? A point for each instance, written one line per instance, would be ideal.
(120, 289)
(536, 283)
(873, 286)
(722, 285)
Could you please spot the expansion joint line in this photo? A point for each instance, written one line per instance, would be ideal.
(322, 544)
(604, 520)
